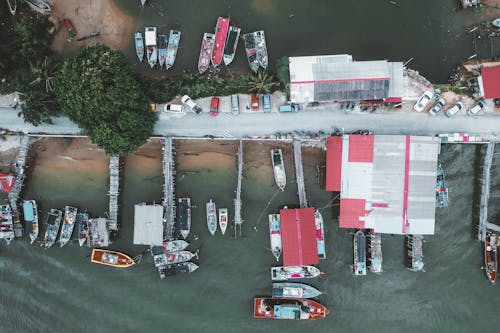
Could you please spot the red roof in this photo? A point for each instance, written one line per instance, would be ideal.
(361, 148)
(6, 182)
(298, 236)
(333, 163)
(393, 100)
(350, 212)
(491, 81)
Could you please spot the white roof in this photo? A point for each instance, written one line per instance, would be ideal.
(148, 224)
(150, 36)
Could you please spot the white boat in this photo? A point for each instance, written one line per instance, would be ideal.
(31, 219)
(139, 46)
(68, 225)
(496, 22)
(294, 290)
(233, 37)
(223, 219)
(275, 235)
(39, 6)
(143, 3)
(211, 217)
(82, 225)
(6, 224)
(173, 45)
(54, 218)
(175, 245)
(283, 273)
(151, 47)
(260, 44)
(375, 248)
(320, 234)
(278, 168)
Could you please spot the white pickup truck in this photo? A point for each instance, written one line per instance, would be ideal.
(191, 104)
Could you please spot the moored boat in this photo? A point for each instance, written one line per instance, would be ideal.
(111, 258)
(261, 47)
(496, 22)
(278, 168)
(294, 290)
(173, 45)
(54, 218)
(6, 224)
(282, 273)
(177, 257)
(151, 48)
(30, 213)
(82, 225)
(320, 234)
(143, 3)
(174, 269)
(251, 51)
(359, 253)
(184, 216)
(491, 256)
(139, 46)
(231, 44)
(223, 219)
(39, 6)
(162, 49)
(288, 308)
(175, 245)
(12, 4)
(207, 46)
(68, 225)
(375, 249)
(441, 189)
(275, 235)
(220, 40)
(211, 217)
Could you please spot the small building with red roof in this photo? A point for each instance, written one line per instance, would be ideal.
(489, 82)
(6, 182)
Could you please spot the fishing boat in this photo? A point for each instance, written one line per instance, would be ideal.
(278, 168)
(111, 258)
(491, 256)
(359, 253)
(414, 255)
(12, 4)
(6, 225)
(496, 22)
(282, 273)
(173, 46)
(288, 308)
(223, 219)
(231, 45)
(320, 234)
(39, 6)
(251, 51)
(207, 46)
(82, 225)
(220, 40)
(30, 213)
(211, 217)
(294, 290)
(54, 218)
(139, 46)
(174, 269)
(261, 47)
(275, 235)
(441, 189)
(184, 216)
(162, 49)
(68, 225)
(175, 245)
(151, 48)
(375, 248)
(177, 257)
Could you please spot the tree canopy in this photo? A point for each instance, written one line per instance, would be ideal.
(97, 90)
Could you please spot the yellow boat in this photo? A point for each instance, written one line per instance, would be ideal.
(111, 258)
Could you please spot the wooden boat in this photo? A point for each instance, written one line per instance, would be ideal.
(496, 22)
(82, 225)
(359, 253)
(162, 49)
(294, 290)
(211, 217)
(207, 46)
(173, 45)
(54, 218)
(220, 40)
(184, 216)
(251, 51)
(278, 168)
(174, 269)
(282, 273)
(30, 213)
(288, 308)
(275, 235)
(491, 256)
(12, 4)
(175, 245)
(139, 45)
(111, 258)
(6, 224)
(223, 219)
(151, 48)
(231, 44)
(320, 234)
(68, 225)
(39, 6)
(261, 47)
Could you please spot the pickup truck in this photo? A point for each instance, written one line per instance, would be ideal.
(191, 104)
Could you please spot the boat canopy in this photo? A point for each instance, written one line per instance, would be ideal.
(150, 36)
(287, 311)
(28, 211)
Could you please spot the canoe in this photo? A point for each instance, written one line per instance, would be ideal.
(111, 258)
(30, 213)
(294, 290)
(39, 6)
(251, 51)
(288, 308)
(139, 46)
(231, 45)
(261, 47)
(211, 217)
(220, 40)
(223, 219)
(282, 273)
(173, 45)
(275, 235)
(207, 46)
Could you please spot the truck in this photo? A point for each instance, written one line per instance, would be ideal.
(186, 100)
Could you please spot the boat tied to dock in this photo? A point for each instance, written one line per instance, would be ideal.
(54, 218)
(82, 227)
(359, 253)
(175, 245)
(39, 6)
(211, 217)
(441, 189)
(251, 51)
(275, 235)
(278, 168)
(184, 205)
(231, 44)
(30, 213)
(111, 258)
(68, 225)
(223, 216)
(282, 273)
(6, 223)
(173, 45)
(139, 46)
(320, 234)
(174, 269)
(162, 49)
(288, 308)
(261, 47)
(294, 290)
(491, 256)
(207, 46)
(151, 47)
(221, 30)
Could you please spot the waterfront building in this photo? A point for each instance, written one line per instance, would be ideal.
(489, 82)
(298, 237)
(148, 224)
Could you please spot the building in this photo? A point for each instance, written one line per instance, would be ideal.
(387, 183)
(489, 82)
(298, 237)
(148, 224)
(6, 182)
(339, 78)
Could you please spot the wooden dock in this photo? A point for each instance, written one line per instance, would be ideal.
(238, 221)
(485, 192)
(19, 173)
(114, 189)
(299, 173)
(168, 188)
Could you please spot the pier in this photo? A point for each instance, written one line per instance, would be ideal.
(299, 173)
(414, 254)
(485, 193)
(114, 188)
(237, 201)
(168, 188)
(18, 184)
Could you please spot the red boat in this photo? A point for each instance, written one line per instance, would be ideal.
(491, 256)
(288, 308)
(220, 40)
(69, 27)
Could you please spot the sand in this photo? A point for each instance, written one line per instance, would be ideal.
(195, 154)
(147, 158)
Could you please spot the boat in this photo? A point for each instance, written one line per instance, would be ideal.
(282, 273)
(251, 51)
(98, 232)
(139, 46)
(143, 3)
(220, 40)
(111, 258)
(82, 227)
(375, 248)
(6, 224)
(173, 46)
(261, 47)
(496, 22)
(414, 256)
(162, 49)
(294, 290)
(211, 217)
(288, 308)
(68, 225)
(184, 216)
(12, 4)
(223, 220)
(177, 257)
(491, 256)
(320, 234)
(175, 245)
(441, 189)
(53, 222)
(39, 6)
(359, 253)
(231, 45)
(30, 213)
(174, 269)
(278, 168)
(207, 46)
(151, 48)
(275, 235)
(70, 29)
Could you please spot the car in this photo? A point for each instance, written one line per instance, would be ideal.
(191, 104)
(214, 106)
(266, 103)
(422, 101)
(450, 112)
(173, 108)
(437, 107)
(476, 108)
(235, 105)
(255, 102)
(289, 108)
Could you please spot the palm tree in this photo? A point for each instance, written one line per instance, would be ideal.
(262, 83)
(45, 71)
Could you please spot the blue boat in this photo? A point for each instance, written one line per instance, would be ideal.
(294, 290)
(31, 219)
(441, 189)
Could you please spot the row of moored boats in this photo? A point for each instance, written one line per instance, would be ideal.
(160, 49)
(37, 5)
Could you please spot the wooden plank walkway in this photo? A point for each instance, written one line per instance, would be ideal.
(238, 221)
(299, 173)
(485, 191)
(169, 188)
(114, 189)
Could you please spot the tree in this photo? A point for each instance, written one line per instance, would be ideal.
(98, 91)
(283, 71)
(262, 83)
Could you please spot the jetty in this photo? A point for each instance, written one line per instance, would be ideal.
(114, 188)
(299, 173)
(18, 184)
(238, 221)
(485, 194)
(168, 188)
(414, 254)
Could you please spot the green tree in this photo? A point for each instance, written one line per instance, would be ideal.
(262, 83)
(35, 36)
(98, 91)
(283, 71)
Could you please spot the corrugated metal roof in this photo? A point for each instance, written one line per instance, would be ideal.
(491, 81)
(298, 233)
(333, 163)
(148, 224)
(150, 36)
(361, 148)
(352, 213)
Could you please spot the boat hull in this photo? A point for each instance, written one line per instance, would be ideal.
(82, 222)
(261, 46)
(231, 45)
(211, 217)
(294, 290)
(173, 45)
(184, 216)
(111, 258)
(12, 4)
(221, 30)
(275, 235)
(53, 224)
(39, 6)
(278, 168)
(6, 223)
(174, 269)
(320, 234)
(207, 46)
(68, 225)
(283, 273)
(359, 253)
(175, 245)
(223, 219)
(251, 52)
(288, 308)
(30, 212)
(491, 257)
(139, 46)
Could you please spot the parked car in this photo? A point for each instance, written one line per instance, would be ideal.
(255, 102)
(266, 103)
(422, 101)
(289, 108)
(191, 104)
(450, 112)
(214, 106)
(437, 107)
(235, 105)
(476, 108)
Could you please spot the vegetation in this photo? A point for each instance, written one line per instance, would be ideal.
(98, 91)
(283, 71)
